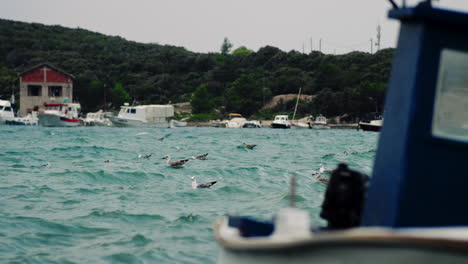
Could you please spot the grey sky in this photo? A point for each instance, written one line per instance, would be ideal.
(201, 25)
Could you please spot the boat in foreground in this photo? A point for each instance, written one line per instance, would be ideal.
(281, 121)
(60, 115)
(157, 116)
(412, 208)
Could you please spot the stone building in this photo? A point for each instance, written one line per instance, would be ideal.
(41, 84)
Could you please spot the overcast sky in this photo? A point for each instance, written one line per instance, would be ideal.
(201, 25)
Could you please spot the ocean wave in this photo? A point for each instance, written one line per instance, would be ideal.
(328, 156)
(190, 218)
(124, 216)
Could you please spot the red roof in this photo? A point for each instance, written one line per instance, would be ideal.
(49, 66)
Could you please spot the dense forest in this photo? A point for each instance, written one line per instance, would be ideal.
(110, 70)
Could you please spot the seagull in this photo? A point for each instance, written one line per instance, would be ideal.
(145, 156)
(249, 146)
(323, 170)
(160, 139)
(107, 161)
(46, 165)
(321, 179)
(200, 157)
(196, 185)
(175, 163)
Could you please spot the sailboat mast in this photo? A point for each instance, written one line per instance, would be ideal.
(297, 102)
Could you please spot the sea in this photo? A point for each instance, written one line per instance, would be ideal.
(61, 202)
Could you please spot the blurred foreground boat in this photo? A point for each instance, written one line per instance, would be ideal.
(414, 208)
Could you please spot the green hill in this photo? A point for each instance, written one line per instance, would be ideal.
(110, 70)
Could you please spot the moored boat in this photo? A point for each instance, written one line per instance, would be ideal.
(158, 116)
(6, 111)
(29, 120)
(320, 123)
(60, 115)
(234, 121)
(97, 119)
(281, 121)
(252, 124)
(373, 125)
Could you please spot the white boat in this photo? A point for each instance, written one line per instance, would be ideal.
(303, 122)
(144, 116)
(281, 121)
(29, 120)
(6, 111)
(60, 115)
(235, 121)
(373, 125)
(178, 123)
(320, 123)
(252, 124)
(97, 119)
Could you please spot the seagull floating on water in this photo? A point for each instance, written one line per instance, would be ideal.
(107, 161)
(175, 163)
(196, 185)
(249, 146)
(160, 139)
(323, 170)
(200, 157)
(46, 165)
(145, 156)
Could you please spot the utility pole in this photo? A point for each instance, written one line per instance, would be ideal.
(311, 46)
(378, 37)
(371, 45)
(303, 48)
(320, 45)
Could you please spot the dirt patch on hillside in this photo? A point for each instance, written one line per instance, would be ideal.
(286, 97)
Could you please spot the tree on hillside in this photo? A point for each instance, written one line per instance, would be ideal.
(119, 95)
(244, 95)
(202, 102)
(226, 46)
(241, 51)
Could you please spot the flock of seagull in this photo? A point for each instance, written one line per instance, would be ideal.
(195, 185)
(181, 163)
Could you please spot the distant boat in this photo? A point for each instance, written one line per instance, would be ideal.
(252, 124)
(29, 120)
(373, 125)
(60, 115)
(320, 123)
(97, 119)
(144, 116)
(281, 121)
(303, 122)
(6, 111)
(235, 121)
(177, 123)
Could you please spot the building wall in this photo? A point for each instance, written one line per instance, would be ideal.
(43, 77)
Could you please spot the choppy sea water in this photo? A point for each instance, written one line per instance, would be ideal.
(79, 209)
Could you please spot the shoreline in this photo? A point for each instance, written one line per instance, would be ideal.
(267, 124)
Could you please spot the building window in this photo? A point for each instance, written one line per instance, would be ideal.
(55, 91)
(34, 90)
